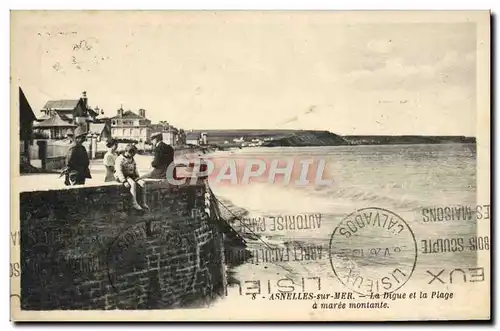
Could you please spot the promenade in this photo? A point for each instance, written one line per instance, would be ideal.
(49, 181)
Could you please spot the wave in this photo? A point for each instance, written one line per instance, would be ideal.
(261, 200)
(390, 196)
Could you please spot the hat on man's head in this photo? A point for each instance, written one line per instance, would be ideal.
(79, 132)
(111, 142)
(156, 135)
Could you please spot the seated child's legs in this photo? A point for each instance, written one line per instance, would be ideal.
(141, 193)
(133, 192)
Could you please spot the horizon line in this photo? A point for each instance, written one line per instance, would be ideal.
(339, 134)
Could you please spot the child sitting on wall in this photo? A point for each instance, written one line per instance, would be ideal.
(127, 174)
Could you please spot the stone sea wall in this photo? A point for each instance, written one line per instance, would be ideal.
(85, 248)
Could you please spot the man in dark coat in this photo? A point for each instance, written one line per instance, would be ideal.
(77, 160)
(163, 156)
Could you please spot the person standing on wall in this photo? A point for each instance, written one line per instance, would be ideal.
(110, 159)
(163, 156)
(77, 160)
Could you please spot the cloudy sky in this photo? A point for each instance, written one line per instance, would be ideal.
(273, 70)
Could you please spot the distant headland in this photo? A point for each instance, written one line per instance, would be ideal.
(304, 138)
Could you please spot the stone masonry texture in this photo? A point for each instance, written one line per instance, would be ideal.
(85, 248)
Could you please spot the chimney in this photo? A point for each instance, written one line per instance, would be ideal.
(120, 112)
(84, 99)
(142, 113)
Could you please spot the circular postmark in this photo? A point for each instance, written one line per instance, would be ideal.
(151, 264)
(373, 250)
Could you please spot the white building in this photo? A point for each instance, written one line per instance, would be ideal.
(196, 138)
(192, 138)
(129, 125)
(170, 136)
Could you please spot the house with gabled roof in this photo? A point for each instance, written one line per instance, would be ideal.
(55, 127)
(61, 115)
(127, 125)
(169, 132)
(26, 118)
(193, 138)
(71, 110)
(101, 130)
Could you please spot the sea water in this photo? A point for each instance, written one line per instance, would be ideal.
(404, 179)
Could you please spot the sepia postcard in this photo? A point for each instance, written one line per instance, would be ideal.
(250, 166)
